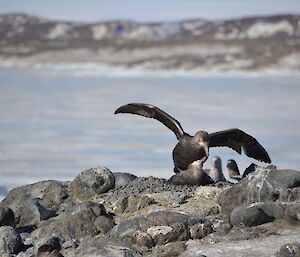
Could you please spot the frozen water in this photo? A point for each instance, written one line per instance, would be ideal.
(54, 124)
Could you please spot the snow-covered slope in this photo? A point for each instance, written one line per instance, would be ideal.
(262, 42)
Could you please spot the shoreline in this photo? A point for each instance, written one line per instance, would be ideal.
(92, 69)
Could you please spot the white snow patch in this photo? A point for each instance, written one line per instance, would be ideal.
(290, 61)
(266, 29)
(19, 20)
(154, 32)
(234, 33)
(166, 29)
(142, 32)
(197, 32)
(99, 31)
(17, 30)
(192, 25)
(59, 30)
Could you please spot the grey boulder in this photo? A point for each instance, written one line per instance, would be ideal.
(249, 215)
(83, 219)
(10, 240)
(289, 250)
(7, 217)
(91, 182)
(263, 185)
(156, 228)
(35, 202)
(122, 179)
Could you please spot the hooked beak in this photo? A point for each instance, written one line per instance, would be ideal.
(206, 150)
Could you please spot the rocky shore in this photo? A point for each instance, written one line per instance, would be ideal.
(101, 213)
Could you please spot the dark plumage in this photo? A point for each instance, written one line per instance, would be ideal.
(233, 169)
(194, 148)
(194, 175)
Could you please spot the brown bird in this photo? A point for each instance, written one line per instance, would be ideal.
(194, 175)
(193, 148)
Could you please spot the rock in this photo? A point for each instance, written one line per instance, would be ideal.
(7, 217)
(103, 224)
(289, 250)
(33, 213)
(92, 182)
(102, 246)
(56, 194)
(10, 240)
(49, 247)
(201, 230)
(122, 179)
(292, 212)
(84, 219)
(289, 195)
(73, 243)
(259, 213)
(249, 215)
(52, 241)
(48, 251)
(132, 203)
(166, 234)
(148, 185)
(161, 226)
(139, 238)
(208, 191)
(181, 199)
(211, 210)
(261, 186)
(51, 195)
(192, 250)
(168, 250)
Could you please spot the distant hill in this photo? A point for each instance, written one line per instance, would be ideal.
(246, 44)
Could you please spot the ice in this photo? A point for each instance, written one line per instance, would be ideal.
(57, 120)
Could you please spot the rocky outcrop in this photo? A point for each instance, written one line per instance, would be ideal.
(150, 217)
(263, 185)
(79, 221)
(161, 228)
(36, 202)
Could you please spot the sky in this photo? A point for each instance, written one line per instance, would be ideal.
(154, 10)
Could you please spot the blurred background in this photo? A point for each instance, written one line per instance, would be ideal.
(65, 66)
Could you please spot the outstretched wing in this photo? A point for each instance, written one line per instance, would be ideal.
(151, 111)
(238, 140)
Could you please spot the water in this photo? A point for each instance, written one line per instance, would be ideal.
(54, 125)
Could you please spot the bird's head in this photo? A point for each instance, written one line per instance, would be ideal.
(233, 169)
(216, 162)
(202, 138)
